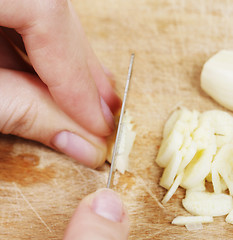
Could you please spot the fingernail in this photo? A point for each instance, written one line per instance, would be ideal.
(108, 204)
(107, 114)
(77, 148)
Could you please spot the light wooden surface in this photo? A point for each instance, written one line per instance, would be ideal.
(171, 40)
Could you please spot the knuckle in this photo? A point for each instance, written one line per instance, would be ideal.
(19, 120)
(51, 7)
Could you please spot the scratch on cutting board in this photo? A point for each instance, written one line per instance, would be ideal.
(80, 173)
(2, 216)
(29, 204)
(149, 191)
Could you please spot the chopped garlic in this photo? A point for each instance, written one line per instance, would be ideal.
(217, 78)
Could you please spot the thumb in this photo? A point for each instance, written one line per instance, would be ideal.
(99, 216)
(28, 110)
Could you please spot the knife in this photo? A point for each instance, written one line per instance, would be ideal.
(118, 135)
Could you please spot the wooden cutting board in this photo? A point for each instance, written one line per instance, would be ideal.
(40, 188)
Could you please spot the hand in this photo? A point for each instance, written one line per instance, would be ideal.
(99, 216)
(65, 101)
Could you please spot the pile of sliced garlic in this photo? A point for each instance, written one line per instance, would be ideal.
(198, 147)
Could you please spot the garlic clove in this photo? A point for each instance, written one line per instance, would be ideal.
(217, 78)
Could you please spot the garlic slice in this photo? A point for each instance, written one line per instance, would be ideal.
(183, 220)
(127, 139)
(207, 204)
(171, 170)
(229, 218)
(168, 147)
(198, 168)
(224, 165)
(217, 78)
(173, 188)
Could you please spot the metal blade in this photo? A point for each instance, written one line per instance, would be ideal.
(115, 149)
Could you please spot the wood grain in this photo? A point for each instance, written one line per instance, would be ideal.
(171, 39)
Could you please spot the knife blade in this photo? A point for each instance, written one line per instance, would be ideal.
(118, 135)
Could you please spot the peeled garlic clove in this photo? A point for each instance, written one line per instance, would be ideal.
(207, 204)
(217, 78)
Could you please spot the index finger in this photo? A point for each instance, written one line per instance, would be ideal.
(57, 48)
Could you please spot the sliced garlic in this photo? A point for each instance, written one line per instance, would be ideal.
(198, 168)
(182, 120)
(217, 185)
(207, 204)
(221, 124)
(173, 188)
(200, 187)
(217, 78)
(171, 170)
(127, 139)
(224, 165)
(188, 220)
(203, 135)
(188, 154)
(168, 147)
(196, 151)
(229, 218)
(169, 125)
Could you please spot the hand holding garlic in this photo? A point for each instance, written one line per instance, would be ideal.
(64, 100)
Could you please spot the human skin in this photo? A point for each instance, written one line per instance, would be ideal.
(69, 87)
(63, 99)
